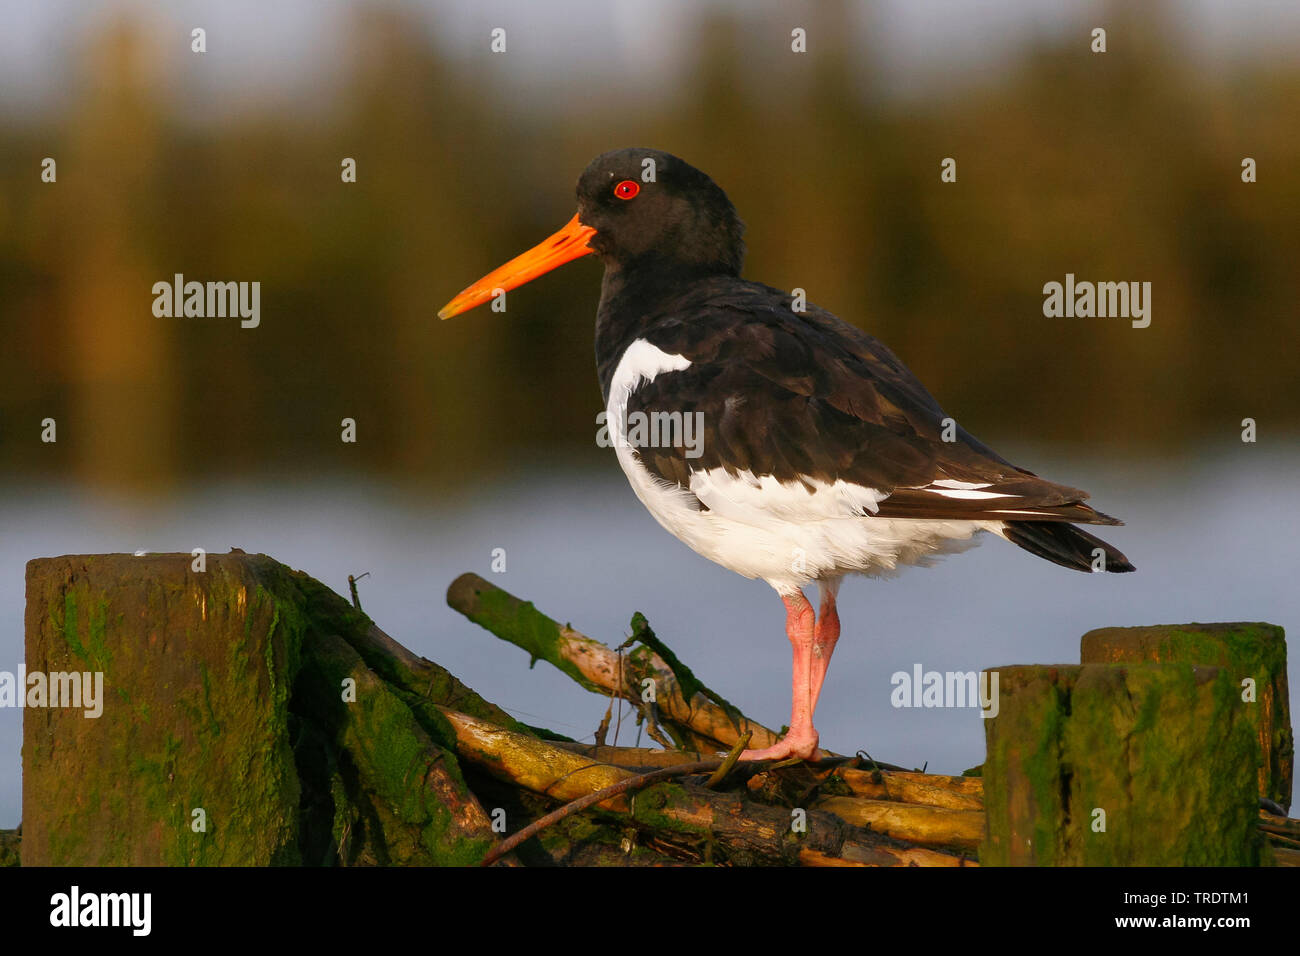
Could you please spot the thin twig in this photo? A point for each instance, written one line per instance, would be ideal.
(603, 729)
(618, 726)
(881, 765)
(623, 786)
(819, 781)
(352, 586)
(565, 776)
(879, 776)
(716, 778)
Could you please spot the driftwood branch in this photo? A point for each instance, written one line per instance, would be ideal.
(634, 757)
(923, 825)
(371, 754)
(741, 830)
(927, 789)
(590, 799)
(597, 667)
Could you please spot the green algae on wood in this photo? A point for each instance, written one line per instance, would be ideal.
(388, 764)
(422, 683)
(190, 762)
(425, 685)
(518, 622)
(702, 720)
(1254, 651)
(10, 847)
(1120, 765)
(689, 684)
(223, 695)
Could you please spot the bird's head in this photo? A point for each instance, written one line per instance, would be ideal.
(635, 206)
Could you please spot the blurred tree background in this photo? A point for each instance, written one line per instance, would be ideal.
(1117, 167)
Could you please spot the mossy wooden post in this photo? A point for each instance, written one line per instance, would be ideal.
(10, 842)
(1120, 765)
(1248, 651)
(250, 716)
(189, 760)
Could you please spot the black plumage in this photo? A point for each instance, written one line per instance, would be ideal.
(791, 394)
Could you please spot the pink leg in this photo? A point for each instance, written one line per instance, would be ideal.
(801, 740)
(825, 635)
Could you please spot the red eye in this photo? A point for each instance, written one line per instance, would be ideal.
(627, 189)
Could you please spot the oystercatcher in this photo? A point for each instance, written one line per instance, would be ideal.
(821, 454)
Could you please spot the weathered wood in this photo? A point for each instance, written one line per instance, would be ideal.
(916, 857)
(923, 825)
(537, 765)
(1285, 857)
(926, 789)
(10, 847)
(1246, 650)
(421, 682)
(595, 666)
(305, 733)
(398, 798)
(424, 679)
(1283, 836)
(743, 831)
(634, 757)
(1283, 824)
(190, 761)
(224, 737)
(628, 785)
(1111, 764)
(813, 858)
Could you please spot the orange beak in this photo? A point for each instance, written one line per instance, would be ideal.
(566, 245)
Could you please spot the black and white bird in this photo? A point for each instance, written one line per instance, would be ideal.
(820, 455)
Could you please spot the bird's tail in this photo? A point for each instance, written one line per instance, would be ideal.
(1066, 545)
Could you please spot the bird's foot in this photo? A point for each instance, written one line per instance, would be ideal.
(803, 746)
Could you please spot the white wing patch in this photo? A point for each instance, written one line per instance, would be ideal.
(964, 490)
(966, 494)
(757, 500)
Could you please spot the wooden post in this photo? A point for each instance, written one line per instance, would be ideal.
(1120, 765)
(187, 760)
(1254, 652)
(235, 719)
(10, 842)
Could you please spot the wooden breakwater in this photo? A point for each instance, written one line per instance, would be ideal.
(253, 716)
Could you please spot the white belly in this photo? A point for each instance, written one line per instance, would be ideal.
(758, 527)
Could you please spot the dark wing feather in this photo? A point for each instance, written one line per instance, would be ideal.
(799, 395)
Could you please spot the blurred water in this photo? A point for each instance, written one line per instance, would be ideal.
(1213, 541)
